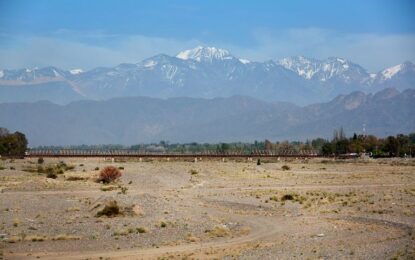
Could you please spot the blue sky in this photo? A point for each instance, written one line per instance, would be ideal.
(86, 34)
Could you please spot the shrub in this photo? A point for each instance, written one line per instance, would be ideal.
(121, 168)
(258, 162)
(287, 197)
(141, 230)
(285, 167)
(193, 172)
(163, 224)
(51, 175)
(111, 209)
(109, 174)
(97, 168)
(40, 160)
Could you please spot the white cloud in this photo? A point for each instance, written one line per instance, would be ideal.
(68, 49)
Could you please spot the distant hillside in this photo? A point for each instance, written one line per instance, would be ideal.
(142, 120)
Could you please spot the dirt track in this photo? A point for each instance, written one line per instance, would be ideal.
(226, 210)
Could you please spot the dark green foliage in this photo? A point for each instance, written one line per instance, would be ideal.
(258, 162)
(40, 160)
(12, 144)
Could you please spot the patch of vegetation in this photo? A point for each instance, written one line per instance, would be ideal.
(121, 233)
(141, 230)
(51, 175)
(218, 231)
(35, 238)
(121, 168)
(111, 209)
(287, 197)
(109, 174)
(193, 172)
(96, 169)
(40, 160)
(123, 189)
(66, 237)
(108, 188)
(163, 224)
(76, 178)
(258, 162)
(285, 168)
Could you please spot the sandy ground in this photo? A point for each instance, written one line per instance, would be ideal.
(317, 209)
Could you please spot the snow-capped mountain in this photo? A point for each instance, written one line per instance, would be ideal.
(331, 69)
(205, 72)
(208, 54)
(33, 75)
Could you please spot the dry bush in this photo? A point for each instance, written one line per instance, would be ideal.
(287, 197)
(111, 209)
(218, 231)
(109, 174)
(285, 167)
(76, 178)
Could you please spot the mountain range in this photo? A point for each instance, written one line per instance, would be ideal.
(205, 72)
(132, 120)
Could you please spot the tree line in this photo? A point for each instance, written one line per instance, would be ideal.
(392, 146)
(15, 144)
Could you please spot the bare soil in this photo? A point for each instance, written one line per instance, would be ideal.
(210, 209)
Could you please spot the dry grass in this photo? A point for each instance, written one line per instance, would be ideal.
(111, 209)
(218, 231)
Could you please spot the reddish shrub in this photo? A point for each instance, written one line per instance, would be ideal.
(109, 174)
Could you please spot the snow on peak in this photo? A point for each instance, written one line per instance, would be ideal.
(302, 66)
(150, 63)
(201, 53)
(322, 70)
(390, 72)
(75, 71)
(244, 61)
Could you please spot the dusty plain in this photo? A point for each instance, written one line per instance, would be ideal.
(210, 209)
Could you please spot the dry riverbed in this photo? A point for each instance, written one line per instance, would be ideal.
(305, 209)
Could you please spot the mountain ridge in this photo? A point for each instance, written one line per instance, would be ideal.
(205, 72)
(132, 120)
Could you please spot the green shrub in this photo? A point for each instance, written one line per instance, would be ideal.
(40, 160)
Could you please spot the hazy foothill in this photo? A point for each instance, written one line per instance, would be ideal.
(207, 129)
